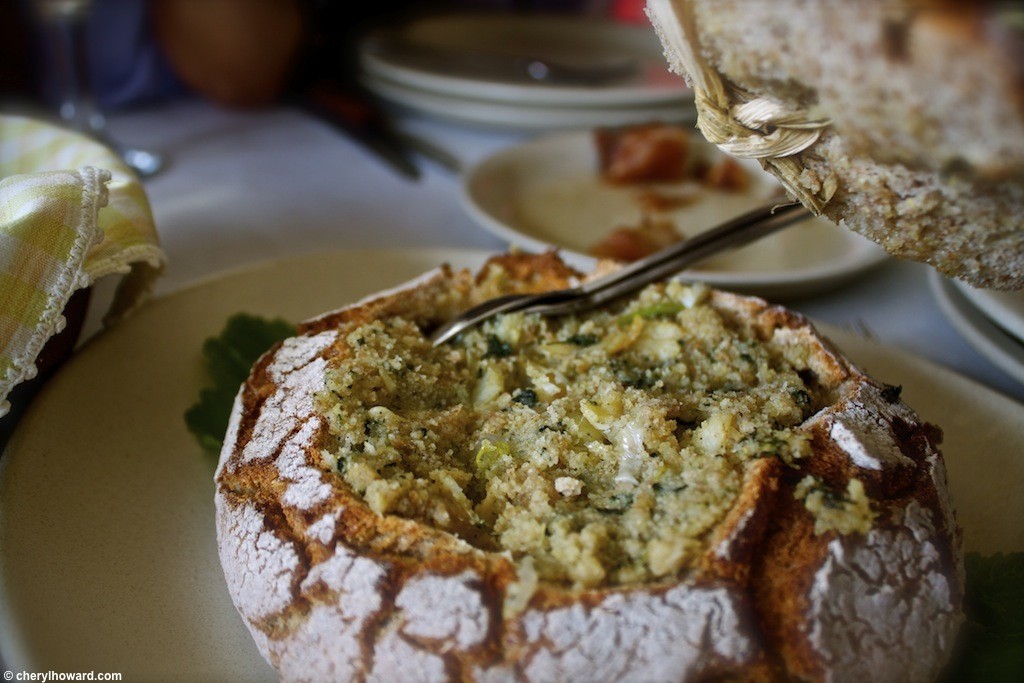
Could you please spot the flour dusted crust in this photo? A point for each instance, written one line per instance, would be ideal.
(925, 146)
(332, 591)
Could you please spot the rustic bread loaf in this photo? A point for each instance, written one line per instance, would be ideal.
(688, 485)
(901, 120)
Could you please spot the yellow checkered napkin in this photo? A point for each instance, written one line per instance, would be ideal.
(70, 212)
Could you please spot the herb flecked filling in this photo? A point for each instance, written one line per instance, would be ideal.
(604, 448)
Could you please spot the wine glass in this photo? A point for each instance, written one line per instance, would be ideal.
(64, 22)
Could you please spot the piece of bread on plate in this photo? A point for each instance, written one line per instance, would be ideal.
(687, 485)
(902, 120)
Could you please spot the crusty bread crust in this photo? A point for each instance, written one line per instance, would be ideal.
(925, 146)
(332, 591)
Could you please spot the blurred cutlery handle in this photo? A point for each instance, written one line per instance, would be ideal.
(356, 112)
(358, 116)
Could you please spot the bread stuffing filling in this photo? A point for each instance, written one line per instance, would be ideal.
(600, 449)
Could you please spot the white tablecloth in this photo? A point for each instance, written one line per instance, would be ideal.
(243, 187)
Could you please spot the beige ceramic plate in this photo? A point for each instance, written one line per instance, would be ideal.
(987, 337)
(107, 549)
(1005, 309)
(547, 193)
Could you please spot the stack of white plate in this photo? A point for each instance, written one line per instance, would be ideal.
(992, 322)
(529, 72)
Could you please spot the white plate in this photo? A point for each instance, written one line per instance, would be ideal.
(987, 338)
(494, 114)
(526, 37)
(1005, 309)
(548, 193)
(107, 548)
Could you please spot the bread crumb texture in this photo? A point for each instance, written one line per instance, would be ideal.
(926, 104)
(686, 485)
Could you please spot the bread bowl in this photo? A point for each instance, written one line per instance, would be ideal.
(384, 513)
(903, 121)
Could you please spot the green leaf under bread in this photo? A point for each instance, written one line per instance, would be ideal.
(228, 358)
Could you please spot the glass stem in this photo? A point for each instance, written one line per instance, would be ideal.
(78, 106)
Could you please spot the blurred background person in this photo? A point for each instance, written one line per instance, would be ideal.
(238, 53)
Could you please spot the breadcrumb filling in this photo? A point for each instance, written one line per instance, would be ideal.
(603, 449)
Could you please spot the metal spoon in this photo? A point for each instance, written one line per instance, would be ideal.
(741, 230)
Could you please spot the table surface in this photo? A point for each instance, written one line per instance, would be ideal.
(243, 187)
